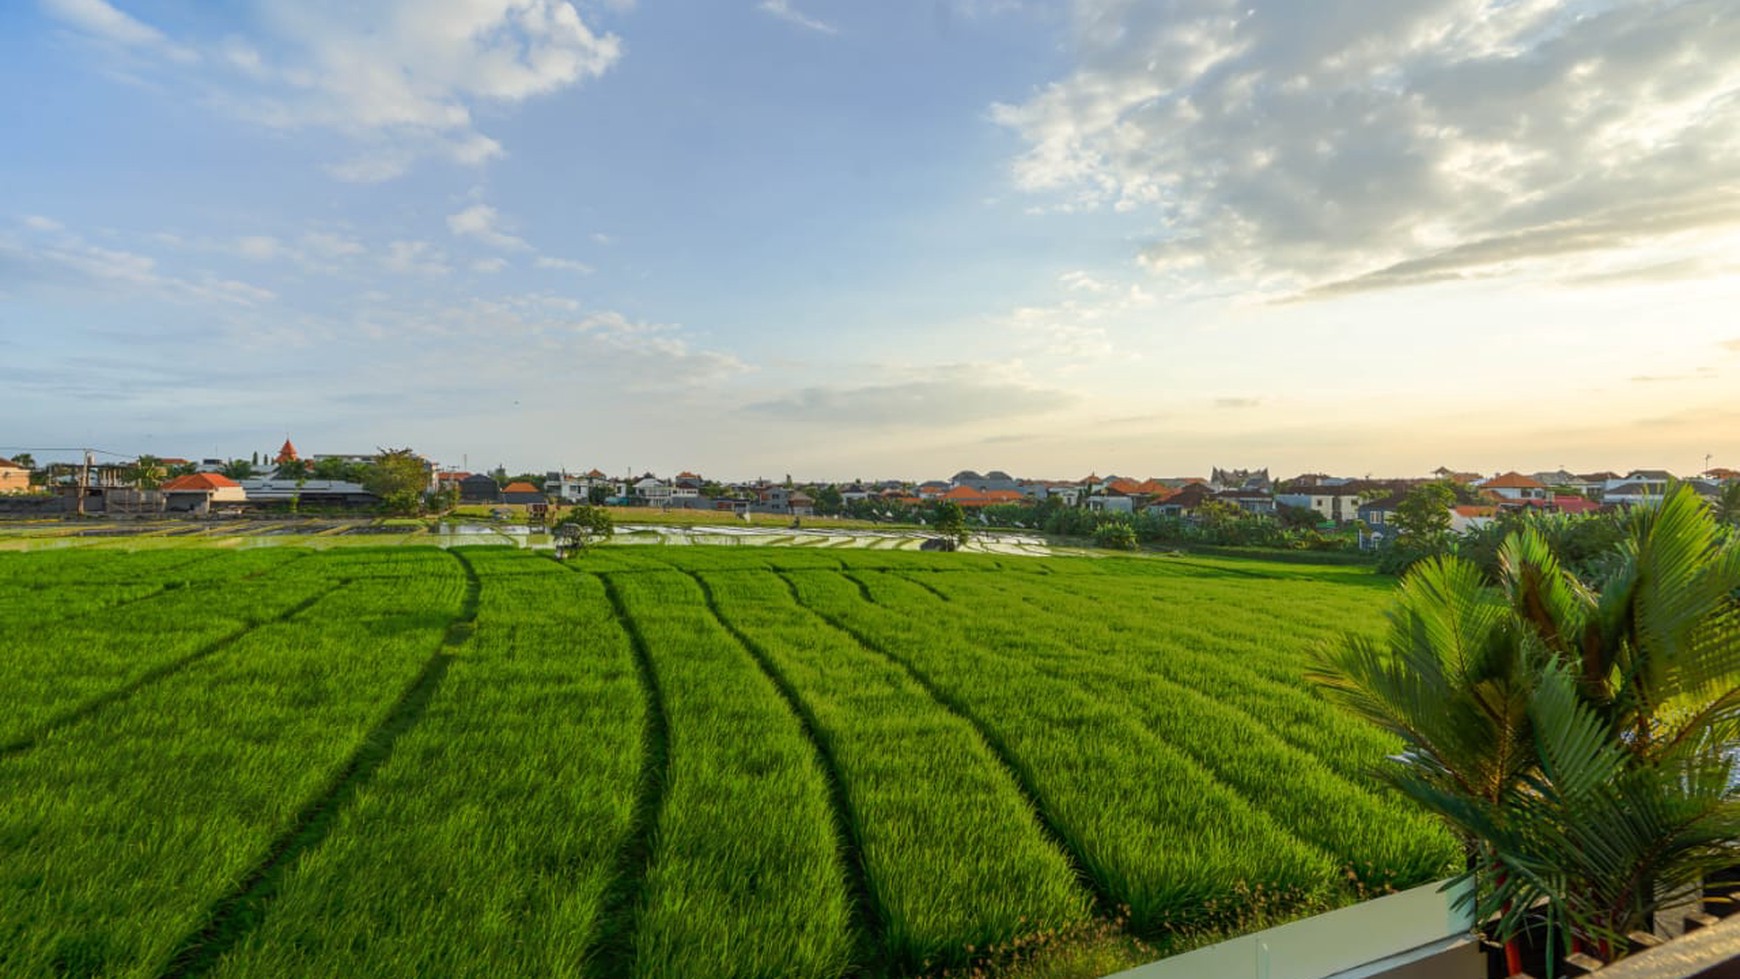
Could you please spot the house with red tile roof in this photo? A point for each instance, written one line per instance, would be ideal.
(1515, 486)
(970, 498)
(196, 492)
(1575, 506)
(522, 492)
(1184, 502)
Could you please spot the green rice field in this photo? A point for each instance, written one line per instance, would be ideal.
(670, 762)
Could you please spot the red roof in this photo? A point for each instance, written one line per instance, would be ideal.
(1476, 511)
(9, 464)
(286, 454)
(1575, 504)
(199, 483)
(1512, 480)
(1722, 473)
(520, 487)
(594, 474)
(967, 496)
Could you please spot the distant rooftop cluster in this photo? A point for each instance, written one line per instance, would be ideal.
(335, 478)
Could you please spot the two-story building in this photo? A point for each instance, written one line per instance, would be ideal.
(1339, 504)
(650, 490)
(1515, 486)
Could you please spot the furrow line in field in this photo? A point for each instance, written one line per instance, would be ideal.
(845, 821)
(156, 674)
(927, 586)
(1198, 760)
(1017, 773)
(1183, 696)
(241, 911)
(1310, 723)
(613, 948)
(167, 588)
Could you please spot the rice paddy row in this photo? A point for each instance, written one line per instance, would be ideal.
(665, 762)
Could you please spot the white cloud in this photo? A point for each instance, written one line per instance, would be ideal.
(415, 258)
(1080, 281)
(329, 245)
(37, 222)
(1356, 145)
(55, 257)
(525, 335)
(483, 222)
(1081, 327)
(400, 77)
(938, 397)
(259, 247)
(786, 12)
(489, 266)
(565, 264)
(105, 23)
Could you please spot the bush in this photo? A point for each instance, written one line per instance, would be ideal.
(1116, 536)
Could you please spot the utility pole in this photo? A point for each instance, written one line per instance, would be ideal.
(84, 481)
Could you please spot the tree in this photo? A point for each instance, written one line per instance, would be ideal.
(950, 521)
(580, 528)
(182, 469)
(597, 494)
(1727, 505)
(1423, 517)
(146, 472)
(1219, 516)
(1297, 517)
(238, 469)
(1582, 739)
(829, 502)
(341, 470)
(400, 478)
(26, 460)
(296, 469)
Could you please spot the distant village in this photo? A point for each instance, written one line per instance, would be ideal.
(338, 482)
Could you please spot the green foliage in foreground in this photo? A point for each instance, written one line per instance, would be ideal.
(1583, 739)
(670, 761)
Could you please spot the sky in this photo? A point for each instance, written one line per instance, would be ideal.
(836, 239)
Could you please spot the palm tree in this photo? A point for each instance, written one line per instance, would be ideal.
(1453, 678)
(146, 472)
(1582, 740)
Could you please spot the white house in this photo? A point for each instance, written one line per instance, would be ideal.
(1516, 486)
(1330, 503)
(654, 491)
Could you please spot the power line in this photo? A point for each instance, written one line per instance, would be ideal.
(61, 448)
